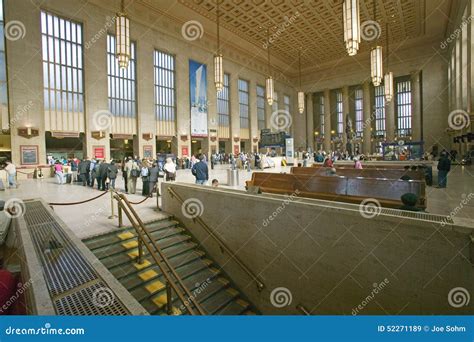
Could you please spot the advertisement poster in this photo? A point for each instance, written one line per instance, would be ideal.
(198, 97)
(99, 152)
(184, 151)
(236, 149)
(147, 151)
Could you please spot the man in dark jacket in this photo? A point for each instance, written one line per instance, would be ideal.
(102, 175)
(200, 171)
(112, 171)
(153, 178)
(444, 166)
(83, 169)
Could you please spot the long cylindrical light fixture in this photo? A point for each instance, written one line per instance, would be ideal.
(351, 18)
(300, 93)
(218, 61)
(122, 38)
(376, 63)
(388, 83)
(269, 81)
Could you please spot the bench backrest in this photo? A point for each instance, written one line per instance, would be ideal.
(366, 173)
(343, 189)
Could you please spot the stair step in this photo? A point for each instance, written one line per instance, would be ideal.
(235, 307)
(112, 238)
(219, 300)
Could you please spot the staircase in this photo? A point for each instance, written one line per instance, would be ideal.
(118, 252)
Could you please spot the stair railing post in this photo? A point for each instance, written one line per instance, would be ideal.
(169, 304)
(120, 218)
(140, 250)
(112, 214)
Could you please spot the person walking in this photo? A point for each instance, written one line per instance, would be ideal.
(112, 171)
(133, 172)
(170, 170)
(444, 166)
(200, 171)
(58, 171)
(10, 168)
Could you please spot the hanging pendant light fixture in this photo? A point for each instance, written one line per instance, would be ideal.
(388, 79)
(269, 81)
(218, 65)
(376, 61)
(122, 38)
(300, 93)
(351, 18)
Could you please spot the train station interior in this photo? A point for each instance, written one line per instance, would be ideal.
(229, 157)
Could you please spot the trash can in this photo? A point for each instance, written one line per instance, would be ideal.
(232, 177)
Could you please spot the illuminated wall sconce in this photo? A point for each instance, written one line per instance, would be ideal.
(98, 135)
(316, 133)
(333, 132)
(28, 132)
(147, 136)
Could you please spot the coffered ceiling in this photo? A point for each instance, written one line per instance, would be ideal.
(316, 26)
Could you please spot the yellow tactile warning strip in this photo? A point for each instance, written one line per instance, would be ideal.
(242, 303)
(176, 311)
(133, 254)
(125, 236)
(143, 265)
(147, 275)
(130, 244)
(223, 281)
(160, 300)
(155, 286)
(232, 292)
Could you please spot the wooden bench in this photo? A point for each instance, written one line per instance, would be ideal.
(381, 167)
(366, 173)
(339, 188)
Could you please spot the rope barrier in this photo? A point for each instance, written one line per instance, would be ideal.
(25, 173)
(81, 202)
(147, 197)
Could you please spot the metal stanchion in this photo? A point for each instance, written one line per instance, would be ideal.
(112, 215)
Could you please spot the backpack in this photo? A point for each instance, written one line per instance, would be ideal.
(135, 171)
(144, 172)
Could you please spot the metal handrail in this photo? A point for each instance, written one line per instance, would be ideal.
(222, 244)
(303, 309)
(159, 257)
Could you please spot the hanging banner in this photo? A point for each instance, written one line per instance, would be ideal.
(198, 98)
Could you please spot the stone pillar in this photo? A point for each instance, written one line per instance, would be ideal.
(345, 113)
(416, 106)
(390, 119)
(367, 133)
(183, 112)
(309, 121)
(253, 115)
(327, 120)
(234, 110)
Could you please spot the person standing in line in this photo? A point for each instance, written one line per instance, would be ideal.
(92, 175)
(124, 173)
(145, 174)
(200, 171)
(153, 179)
(112, 171)
(74, 168)
(444, 166)
(133, 172)
(170, 170)
(10, 168)
(103, 170)
(83, 171)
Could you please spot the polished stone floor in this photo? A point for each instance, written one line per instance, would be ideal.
(92, 218)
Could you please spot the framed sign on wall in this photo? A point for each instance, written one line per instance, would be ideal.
(29, 154)
(147, 151)
(98, 152)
